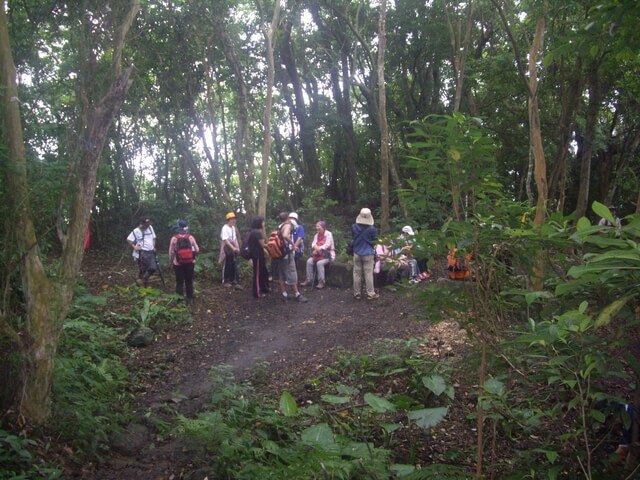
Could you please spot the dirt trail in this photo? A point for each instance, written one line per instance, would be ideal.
(291, 340)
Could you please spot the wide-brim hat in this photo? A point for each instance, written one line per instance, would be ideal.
(365, 217)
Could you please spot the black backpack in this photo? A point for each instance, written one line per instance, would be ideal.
(245, 251)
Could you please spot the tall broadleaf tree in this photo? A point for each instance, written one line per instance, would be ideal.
(47, 292)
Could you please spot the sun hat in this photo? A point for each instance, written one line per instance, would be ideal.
(408, 230)
(294, 215)
(181, 227)
(230, 215)
(365, 217)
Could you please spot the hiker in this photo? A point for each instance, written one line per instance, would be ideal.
(364, 238)
(229, 249)
(298, 238)
(258, 249)
(617, 224)
(182, 255)
(405, 255)
(385, 268)
(284, 269)
(323, 252)
(143, 241)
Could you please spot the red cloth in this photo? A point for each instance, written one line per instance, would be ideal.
(87, 238)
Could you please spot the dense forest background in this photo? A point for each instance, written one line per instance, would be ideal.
(510, 113)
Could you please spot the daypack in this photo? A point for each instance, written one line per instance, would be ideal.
(276, 245)
(245, 251)
(184, 251)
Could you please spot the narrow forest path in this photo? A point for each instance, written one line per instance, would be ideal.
(289, 341)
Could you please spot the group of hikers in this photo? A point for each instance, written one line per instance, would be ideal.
(285, 248)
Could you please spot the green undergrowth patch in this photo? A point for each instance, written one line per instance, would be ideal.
(367, 416)
(92, 388)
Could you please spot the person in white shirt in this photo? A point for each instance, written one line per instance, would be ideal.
(229, 249)
(142, 240)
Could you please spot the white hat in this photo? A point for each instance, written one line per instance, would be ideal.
(365, 217)
(408, 230)
(293, 215)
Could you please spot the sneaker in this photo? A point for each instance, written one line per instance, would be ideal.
(373, 297)
(306, 283)
(320, 285)
(227, 285)
(284, 297)
(237, 286)
(301, 299)
(357, 296)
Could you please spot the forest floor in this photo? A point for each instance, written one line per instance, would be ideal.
(291, 342)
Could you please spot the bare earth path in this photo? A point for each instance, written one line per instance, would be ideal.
(230, 327)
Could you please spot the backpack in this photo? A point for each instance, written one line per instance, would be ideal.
(276, 245)
(245, 251)
(184, 251)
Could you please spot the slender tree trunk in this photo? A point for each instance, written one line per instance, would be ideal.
(384, 131)
(310, 159)
(244, 164)
(589, 138)
(266, 145)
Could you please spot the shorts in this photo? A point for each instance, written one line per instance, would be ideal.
(284, 269)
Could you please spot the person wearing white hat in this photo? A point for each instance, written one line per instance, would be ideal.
(363, 234)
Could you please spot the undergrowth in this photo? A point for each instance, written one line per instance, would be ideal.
(346, 428)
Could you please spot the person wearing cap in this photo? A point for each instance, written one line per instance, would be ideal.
(298, 237)
(142, 240)
(229, 249)
(183, 268)
(284, 269)
(364, 236)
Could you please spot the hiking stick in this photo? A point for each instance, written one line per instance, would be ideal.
(159, 268)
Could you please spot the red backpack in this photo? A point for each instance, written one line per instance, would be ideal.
(276, 244)
(184, 250)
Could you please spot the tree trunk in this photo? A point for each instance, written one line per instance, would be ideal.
(310, 160)
(48, 300)
(384, 131)
(266, 145)
(589, 138)
(245, 166)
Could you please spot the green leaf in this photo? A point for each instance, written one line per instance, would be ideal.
(402, 470)
(288, 404)
(583, 223)
(494, 386)
(611, 310)
(602, 211)
(335, 399)
(379, 404)
(597, 415)
(427, 417)
(320, 435)
(551, 455)
(435, 383)
(533, 296)
(583, 307)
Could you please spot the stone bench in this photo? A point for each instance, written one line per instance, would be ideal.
(338, 274)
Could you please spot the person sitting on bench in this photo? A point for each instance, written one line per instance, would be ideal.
(323, 252)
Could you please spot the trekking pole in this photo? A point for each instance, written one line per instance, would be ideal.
(159, 268)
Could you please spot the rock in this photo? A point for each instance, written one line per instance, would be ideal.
(338, 274)
(141, 337)
(130, 441)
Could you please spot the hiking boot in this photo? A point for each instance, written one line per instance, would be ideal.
(301, 299)
(237, 286)
(306, 283)
(373, 297)
(320, 285)
(227, 285)
(357, 296)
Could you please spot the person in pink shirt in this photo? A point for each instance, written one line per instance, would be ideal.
(182, 255)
